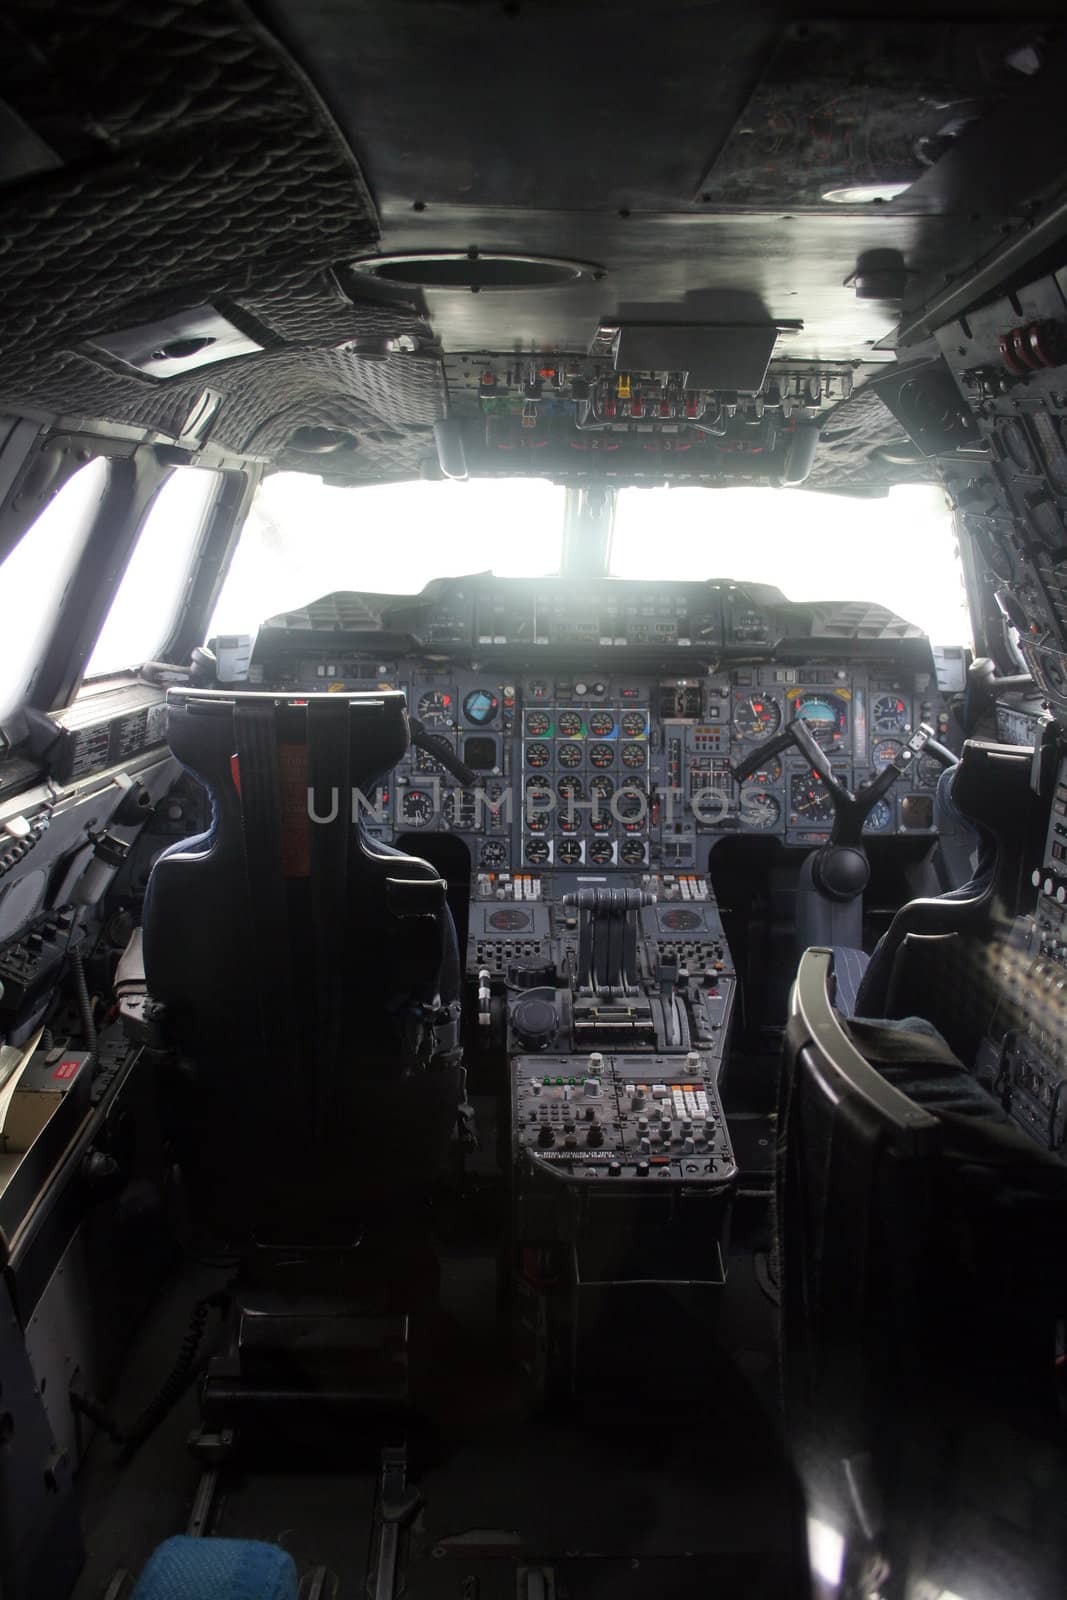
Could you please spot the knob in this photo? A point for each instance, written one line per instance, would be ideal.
(596, 1063)
(592, 1085)
(689, 1147)
(595, 1136)
(692, 1062)
(642, 1124)
(614, 1170)
(545, 1136)
(642, 1169)
(638, 1100)
(1035, 877)
(645, 1146)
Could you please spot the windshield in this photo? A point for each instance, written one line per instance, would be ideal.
(304, 539)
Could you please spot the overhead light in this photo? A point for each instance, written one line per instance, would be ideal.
(826, 1551)
(866, 194)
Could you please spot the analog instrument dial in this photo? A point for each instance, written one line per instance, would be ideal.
(770, 772)
(480, 707)
(879, 817)
(494, 853)
(569, 725)
(601, 852)
(538, 724)
(889, 714)
(632, 852)
(826, 716)
(757, 716)
(601, 755)
(760, 810)
(634, 755)
(928, 772)
(435, 709)
(416, 808)
(570, 789)
(568, 852)
(634, 724)
(424, 761)
(569, 755)
(538, 754)
(809, 800)
(538, 852)
(883, 751)
(601, 724)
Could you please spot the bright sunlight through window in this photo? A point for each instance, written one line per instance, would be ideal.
(33, 577)
(304, 538)
(899, 552)
(144, 609)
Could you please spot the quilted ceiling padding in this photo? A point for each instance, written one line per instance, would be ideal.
(202, 168)
(850, 440)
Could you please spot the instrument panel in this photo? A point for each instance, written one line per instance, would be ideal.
(596, 771)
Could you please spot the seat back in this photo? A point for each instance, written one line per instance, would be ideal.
(309, 972)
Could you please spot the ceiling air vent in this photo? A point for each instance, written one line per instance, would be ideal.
(474, 270)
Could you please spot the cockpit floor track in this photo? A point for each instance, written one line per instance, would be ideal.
(660, 1486)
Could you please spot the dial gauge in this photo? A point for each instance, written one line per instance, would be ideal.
(416, 807)
(570, 789)
(757, 716)
(601, 787)
(569, 724)
(480, 707)
(494, 853)
(760, 810)
(601, 852)
(601, 755)
(883, 751)
(889, 714)
(634, 724)
(424, 761)
(538, 754)
(568, 852)
(826, 716)
(879, 817)
(435, 708)
(632, 852)
(631, 804)
(770, 772)
(569, 755)
(809, 799)
(928, 772)
(538, 724)
(458, 809)
(538, 851)
(634, 755)
(601, 724)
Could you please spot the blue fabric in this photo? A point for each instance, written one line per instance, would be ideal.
(217, 1569)
(849, 968)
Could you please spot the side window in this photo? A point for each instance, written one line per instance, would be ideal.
(146, 603)
(36, 572)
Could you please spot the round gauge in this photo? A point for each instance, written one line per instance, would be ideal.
(494, 853)
(424, 761)
(879, 817)
(435, 708)
(634, 725)
(601, 852)
(569, 755)
(569, 724)
(928, 772)
(538, 754)
(509, 919)
(827, 717)
(809, 799)
(678, 921)
(757, 716)
(631, 804)
(570, 821)
(632, 852)
(883, 751)
(633, 755)
(480, 706)
(416, 808)
(601, 755)
(538, 724)
(570, 789)
(538, 804)
(537, 852)
(770, 772)
(889, 714)
(457, 809)
(568, 852)
(601, 787)
(760, 810)
(601, 724)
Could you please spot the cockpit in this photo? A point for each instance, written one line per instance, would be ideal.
(533, 805)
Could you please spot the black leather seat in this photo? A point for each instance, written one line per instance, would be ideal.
(310, 974)
(922, 1279)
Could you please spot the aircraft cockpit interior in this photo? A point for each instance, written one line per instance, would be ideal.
(533, 801)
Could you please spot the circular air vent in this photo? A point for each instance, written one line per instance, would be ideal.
(473, 270)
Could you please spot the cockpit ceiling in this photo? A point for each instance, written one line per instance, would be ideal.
(166, 173)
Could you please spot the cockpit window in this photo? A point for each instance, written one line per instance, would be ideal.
(899, 552)
(304, 538)
(36, 572)
(144, 608)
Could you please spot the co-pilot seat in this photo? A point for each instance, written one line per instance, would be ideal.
(309, 973)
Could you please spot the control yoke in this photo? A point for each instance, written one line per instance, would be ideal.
(443, 752)
(850, 810)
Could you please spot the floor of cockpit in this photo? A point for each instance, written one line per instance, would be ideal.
(658, 1487)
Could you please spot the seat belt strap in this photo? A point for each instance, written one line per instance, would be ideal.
(330, 731)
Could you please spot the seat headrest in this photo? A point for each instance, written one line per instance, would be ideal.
(202, 734)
